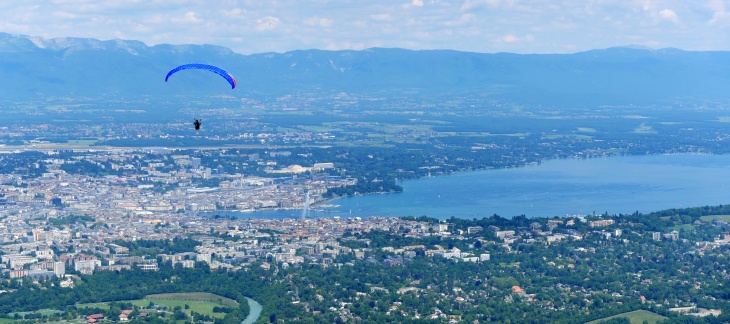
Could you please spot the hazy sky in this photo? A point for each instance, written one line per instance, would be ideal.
(255, 26)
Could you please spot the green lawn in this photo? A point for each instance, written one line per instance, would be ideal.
(95, 305)
(636, 317)
(724, 218)
(202, 303)
(44, 312)
(40, 311)
(686, 227)
(198, 296)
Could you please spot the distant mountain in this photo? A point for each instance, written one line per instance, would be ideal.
(33, 67)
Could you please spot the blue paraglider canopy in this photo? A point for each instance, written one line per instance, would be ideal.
(210, 68)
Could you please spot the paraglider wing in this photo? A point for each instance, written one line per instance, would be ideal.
(210, 68)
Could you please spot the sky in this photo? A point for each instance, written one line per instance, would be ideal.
(486, 26)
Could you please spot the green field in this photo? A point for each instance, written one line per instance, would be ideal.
(686, 227)
(202, 303)
(709, 218)
(636, 317)
(44, 312)
(203, 298)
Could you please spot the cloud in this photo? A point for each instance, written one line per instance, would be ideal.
(141, 28)
(561, 26)
(189, 18)
(64, 15)
(667, 14)
(318, 22)
(381, 17)
(473, 4)
(509, 39)
(512, 39)
(267, 23)
(718, 11)
(659, 15)
(333, 46)
(464, 19)
(234, 13)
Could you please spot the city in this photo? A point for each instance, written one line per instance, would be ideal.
(61, 225)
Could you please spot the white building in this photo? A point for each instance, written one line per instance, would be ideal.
(44, 254)
(205, 257)
(86, 265)
(17, 261)
(59, 269)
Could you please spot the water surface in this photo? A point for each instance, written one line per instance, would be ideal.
(553, 188)
(254, 313)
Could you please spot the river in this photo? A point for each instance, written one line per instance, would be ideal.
(254, 313)
(554, 188)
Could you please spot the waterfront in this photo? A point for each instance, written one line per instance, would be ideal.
(554, 188)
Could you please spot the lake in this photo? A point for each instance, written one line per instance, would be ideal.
(554, 188)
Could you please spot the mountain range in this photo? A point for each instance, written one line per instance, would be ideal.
(35, 67)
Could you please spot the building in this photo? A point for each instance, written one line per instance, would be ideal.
(673, 235)
(440, 228)
(322, 166)
(19, 273)
(17, 261)
(40, 235)
(205, 257)
(503, 234)
(474, 229)
(187, 263)
(86, 265)
(59, 269)
(148, 266)
(601, 223)
(44, 254)
(40, 274)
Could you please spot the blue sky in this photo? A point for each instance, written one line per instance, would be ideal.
(488, 26)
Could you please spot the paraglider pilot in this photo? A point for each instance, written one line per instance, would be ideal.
(197, 124)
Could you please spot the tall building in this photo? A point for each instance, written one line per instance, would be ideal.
(39, 235)
(59, 269)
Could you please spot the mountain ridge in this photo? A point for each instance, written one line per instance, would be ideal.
(32, 66)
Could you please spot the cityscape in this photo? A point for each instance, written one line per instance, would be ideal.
(198, 162)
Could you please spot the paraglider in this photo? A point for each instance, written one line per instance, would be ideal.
(231, 80)
(207, 67)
